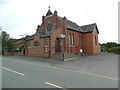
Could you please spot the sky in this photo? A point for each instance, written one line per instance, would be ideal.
(19, 17)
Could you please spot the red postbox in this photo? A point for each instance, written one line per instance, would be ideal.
(79, 50)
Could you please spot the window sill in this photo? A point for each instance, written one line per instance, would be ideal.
(71, 45)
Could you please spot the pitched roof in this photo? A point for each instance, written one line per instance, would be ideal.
(31, 37)
(42, 35)
(71, 25)
(89, 28)
(83, 29)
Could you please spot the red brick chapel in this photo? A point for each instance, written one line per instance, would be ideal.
(58, 34)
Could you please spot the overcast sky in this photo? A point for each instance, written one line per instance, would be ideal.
(18, 17)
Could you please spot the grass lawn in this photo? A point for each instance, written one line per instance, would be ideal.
(107, 53)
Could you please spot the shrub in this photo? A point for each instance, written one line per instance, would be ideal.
(115, 50)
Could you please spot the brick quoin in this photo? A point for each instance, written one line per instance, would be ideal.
(52, 27)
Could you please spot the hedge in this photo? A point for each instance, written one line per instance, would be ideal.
(115, 50)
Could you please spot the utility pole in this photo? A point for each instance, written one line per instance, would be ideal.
(0, 40)
(24, 52)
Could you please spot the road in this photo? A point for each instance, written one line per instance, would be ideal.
(19, 73)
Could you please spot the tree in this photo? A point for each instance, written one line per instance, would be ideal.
(11, 46)
(108, 45)
(115, 50)
(5, 38)
(7, 42)
(25, 43)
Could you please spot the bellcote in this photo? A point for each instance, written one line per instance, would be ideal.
(49, 12)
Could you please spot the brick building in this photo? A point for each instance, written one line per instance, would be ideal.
(57, 34)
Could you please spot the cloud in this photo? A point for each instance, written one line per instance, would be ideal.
(22, 16)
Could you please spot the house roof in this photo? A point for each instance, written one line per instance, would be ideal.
(83, 29)
(42, 35)
(89, 28)
(73, 26)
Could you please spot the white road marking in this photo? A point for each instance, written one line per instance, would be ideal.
(86, 73)
(13, 71)
(54, 85)
(92, 74)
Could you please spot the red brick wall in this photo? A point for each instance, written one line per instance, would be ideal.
(87, 43)
(96, 49)
(72, 48)
(13, 53)
(58, 28)
(88, 40)
(53, 36)
(19, 41)
(37, 50)
(52, 20)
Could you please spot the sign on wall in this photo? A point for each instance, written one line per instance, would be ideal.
(62, 36)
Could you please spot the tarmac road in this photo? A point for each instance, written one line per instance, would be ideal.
(30, 72)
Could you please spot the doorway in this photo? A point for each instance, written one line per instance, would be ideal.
(57, 45)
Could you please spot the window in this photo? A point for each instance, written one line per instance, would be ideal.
(69, 39)
(72, 39)
(46, 41)
(95, 40)
(49, 27)
(29, 43)
(36, 43)
(79, 40)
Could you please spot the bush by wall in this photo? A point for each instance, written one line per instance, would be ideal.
(115, 50)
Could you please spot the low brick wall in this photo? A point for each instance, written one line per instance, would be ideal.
(64, 56)
(13, 54)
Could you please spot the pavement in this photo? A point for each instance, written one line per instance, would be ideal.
(92, 71)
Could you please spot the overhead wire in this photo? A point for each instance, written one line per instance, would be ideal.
(86, 11)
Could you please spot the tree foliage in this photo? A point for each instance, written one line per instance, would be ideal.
(115, 50)
(10, 45)
(25, 41)
(108, 45)
(5, 38)
(7, 42)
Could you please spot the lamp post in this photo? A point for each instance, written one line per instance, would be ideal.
(0, 40)
(49, 47)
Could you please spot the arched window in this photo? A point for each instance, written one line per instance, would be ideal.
(36, 43)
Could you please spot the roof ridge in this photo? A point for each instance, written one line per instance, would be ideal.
(88, 24)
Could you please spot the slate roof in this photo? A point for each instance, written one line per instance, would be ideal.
(31, 37)
(42, 35)
(73, 26)
(89, 28)
(83, 29)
